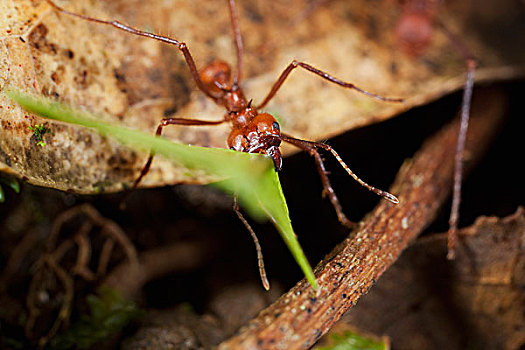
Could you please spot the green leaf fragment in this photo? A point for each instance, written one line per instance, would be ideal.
(353, 341)
(251, 177)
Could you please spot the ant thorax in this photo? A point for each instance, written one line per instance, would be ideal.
(233, 99)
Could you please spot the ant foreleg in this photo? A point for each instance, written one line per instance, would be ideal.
(303, 144)
(277, 85)
(171, 121)
(260, 261)
(323, 173)
(180, 45)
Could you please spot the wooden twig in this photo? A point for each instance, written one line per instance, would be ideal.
(301, 316)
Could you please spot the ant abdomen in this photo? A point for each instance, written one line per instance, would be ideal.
(217, 77)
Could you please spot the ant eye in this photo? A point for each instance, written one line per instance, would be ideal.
(275, 125)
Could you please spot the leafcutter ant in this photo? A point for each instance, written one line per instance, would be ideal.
(252, 131)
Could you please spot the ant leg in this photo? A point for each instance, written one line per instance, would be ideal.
(260, 261)
(238, 40)
(463, 51)
(180, 45)
(277, 85)
(304, 144)
(458, 166)
(327, 187)
(171, 121)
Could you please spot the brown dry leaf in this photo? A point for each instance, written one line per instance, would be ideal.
(228, 310)
(136, 82)
(424, 302)
(176, 328)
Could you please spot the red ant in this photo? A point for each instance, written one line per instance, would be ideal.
(252, 132)
(414, 31)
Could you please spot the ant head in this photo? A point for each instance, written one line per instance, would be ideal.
(265, 125)
(260, 135)
(217, 77)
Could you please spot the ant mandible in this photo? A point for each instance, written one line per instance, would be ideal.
(414, 31)
(252, 131)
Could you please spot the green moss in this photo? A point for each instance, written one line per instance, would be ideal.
(353, 341)
(39, 130)
(108, 314)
